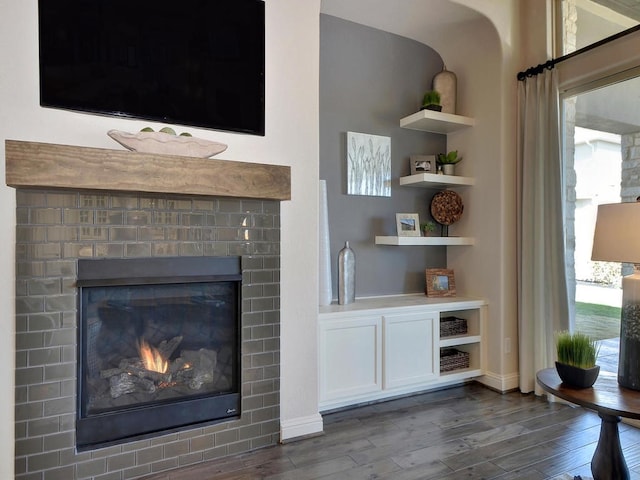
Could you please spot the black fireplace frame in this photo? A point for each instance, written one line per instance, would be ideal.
(136, 423)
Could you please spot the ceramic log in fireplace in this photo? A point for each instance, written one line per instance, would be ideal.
(159, 346)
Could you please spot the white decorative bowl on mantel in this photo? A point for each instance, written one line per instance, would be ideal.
(165, 143)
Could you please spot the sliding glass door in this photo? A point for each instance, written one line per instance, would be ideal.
(601, 138)
(601, 153)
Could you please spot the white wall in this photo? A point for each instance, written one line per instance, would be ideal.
(292, 43)
(485, 57)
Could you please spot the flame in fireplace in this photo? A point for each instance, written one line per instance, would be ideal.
(151, 358)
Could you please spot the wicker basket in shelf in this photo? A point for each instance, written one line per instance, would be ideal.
(452, 359)
(450, 326)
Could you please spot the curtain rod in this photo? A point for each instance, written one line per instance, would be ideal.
(549, 64)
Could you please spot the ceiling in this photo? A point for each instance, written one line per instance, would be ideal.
(425, 20)
(420, 20)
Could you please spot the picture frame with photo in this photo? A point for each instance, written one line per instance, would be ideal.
(440, 282)
(408, 224)
(423, 164)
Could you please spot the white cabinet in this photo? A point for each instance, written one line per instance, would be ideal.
(352, 355)
(382, 347)
(409, 356)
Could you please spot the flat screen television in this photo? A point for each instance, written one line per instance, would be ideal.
(191, 62)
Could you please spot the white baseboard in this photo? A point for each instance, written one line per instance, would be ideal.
(301, 427)
(632, 421)
(501, 383)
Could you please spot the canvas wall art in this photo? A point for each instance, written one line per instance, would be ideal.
(368, 165)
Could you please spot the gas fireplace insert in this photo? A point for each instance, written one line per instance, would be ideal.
(158, 346)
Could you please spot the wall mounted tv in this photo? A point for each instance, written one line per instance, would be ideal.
(191, 62)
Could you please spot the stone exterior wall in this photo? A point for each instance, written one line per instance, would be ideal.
(56, 228)
(569, 35)
(630, 186)
(570, 179)
(630, 183)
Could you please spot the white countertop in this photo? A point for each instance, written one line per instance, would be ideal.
(410, 301)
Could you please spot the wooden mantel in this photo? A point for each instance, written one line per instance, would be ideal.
(44, 165)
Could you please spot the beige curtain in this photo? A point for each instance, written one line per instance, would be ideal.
(542, 288)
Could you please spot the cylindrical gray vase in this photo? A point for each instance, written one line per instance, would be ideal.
(346, 275)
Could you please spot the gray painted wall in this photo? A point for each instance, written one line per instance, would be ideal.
(369, 79)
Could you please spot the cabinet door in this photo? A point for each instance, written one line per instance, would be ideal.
(350, 358)
(410, 349)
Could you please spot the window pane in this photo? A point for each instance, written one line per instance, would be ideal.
(584, 22)
(601, 137)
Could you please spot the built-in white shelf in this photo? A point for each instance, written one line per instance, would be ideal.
(460, 374)
(401, 241)
(426, 180)
(436, 122)
(456, 340)
(393, 347)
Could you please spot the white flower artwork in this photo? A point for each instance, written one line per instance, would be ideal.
(368, 165)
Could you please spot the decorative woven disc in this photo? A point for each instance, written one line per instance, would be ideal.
(446, 207)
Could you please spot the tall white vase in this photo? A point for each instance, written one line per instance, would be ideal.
(325, 292)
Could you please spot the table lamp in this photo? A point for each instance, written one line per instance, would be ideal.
(617, 239)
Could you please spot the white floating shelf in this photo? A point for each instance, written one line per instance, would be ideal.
(431, 179)
(436, 122)
(400, 241)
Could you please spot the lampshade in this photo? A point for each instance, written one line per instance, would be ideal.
(617, 239)
(617, 234)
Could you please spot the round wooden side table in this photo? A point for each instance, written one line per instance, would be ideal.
(612, 402)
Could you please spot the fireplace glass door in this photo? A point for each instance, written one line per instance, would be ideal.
(156, 353)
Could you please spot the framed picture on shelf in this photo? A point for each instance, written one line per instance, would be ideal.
(408, 224)
(423, 164)
(440, 282)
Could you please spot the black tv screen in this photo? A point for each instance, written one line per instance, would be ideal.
(191, 62)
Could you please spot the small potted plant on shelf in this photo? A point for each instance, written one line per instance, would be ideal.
(576, 364)
(448, 161)
(427, 228)
(431, 101)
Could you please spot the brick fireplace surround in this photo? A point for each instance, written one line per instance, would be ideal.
(57, 227)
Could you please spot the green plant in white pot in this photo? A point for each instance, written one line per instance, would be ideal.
(577, 354)
(449, 161)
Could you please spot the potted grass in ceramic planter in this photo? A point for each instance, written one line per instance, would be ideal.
(448, 161)
(576, 364)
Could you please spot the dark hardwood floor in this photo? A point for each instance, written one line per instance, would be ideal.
(466, 432)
